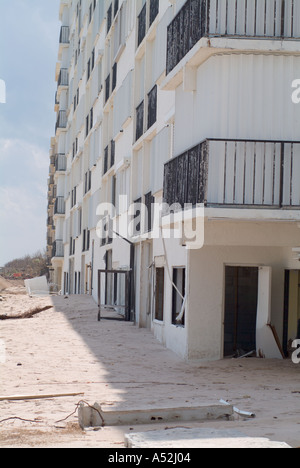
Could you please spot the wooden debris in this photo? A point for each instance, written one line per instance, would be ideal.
(26, 315)
(37, 397)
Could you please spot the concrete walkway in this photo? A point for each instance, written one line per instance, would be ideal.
(122, 367)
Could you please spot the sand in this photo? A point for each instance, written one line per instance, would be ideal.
(66, 350)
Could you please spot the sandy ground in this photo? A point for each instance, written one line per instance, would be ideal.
(65, 350)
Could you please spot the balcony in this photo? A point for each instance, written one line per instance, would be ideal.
(61, 120)
(64, 37)
(60, 163)
(236, 173)
(59, 207)
(63, 79)
(263, 19)
(58, 249)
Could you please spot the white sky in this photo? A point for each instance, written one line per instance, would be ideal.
(29, 32)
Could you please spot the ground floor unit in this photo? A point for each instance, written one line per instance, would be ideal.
(236, 294)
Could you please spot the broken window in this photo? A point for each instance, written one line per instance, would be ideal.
(178, 295)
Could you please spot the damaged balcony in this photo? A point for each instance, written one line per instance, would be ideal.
(205, 27)
(236, 174)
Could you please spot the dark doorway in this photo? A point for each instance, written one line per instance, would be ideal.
(241, 300)
(159, 293)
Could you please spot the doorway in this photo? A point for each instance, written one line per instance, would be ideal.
(291, 321)
(241, 302)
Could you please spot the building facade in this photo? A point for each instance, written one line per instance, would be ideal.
(164, 107)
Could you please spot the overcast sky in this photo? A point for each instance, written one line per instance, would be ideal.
(29, 32)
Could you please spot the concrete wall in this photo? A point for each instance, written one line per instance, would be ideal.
(239, 96)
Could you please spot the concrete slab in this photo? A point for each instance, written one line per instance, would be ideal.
(197, 438)
(97, 416)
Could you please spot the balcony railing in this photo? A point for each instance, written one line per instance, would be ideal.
(61, 120)
(59, 207)
(275, 19)
(60, 162)
(64, 37)
(235, 173)
(63, 79)
(58, 249)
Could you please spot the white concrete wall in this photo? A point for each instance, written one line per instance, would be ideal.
(239, 97)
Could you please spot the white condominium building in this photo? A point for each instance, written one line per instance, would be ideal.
(174, 190)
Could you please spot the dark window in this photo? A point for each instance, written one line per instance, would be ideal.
(114, 76)
(112, 152)
(93, 59)
(87, 126)
(73, 197)
(154, 9)
(152, 106)
(142, 24)
(72, 246)
(159, 293)
(149, 200)
(107, 88)
(105, 166)
(87, 181)
(140, 120)
(109, 18)
(113, 190)
(83, 240)
(177, 301)
(88, 69)
(88, 239)
(91, 118)
(116, 7)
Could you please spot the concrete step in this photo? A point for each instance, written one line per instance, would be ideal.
(97, 416)
(197, 438)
